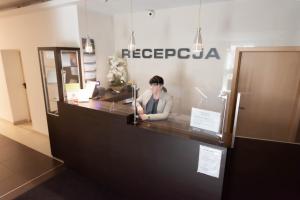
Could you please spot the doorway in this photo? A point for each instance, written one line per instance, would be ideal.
(16, 87)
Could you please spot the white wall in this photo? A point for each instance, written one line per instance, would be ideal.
(100, 28)
(5, 107)
(224, 25)
(26, 31)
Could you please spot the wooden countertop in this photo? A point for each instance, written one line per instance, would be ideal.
(105, 106)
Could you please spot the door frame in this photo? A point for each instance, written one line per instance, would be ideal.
(230, 115)
(26, 90)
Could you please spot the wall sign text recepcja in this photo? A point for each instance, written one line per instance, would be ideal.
(182, 53)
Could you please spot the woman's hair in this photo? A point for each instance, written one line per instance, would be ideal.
(158, 81)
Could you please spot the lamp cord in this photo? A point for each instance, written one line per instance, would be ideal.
(199, 13)
(86, 17)
(131, 15)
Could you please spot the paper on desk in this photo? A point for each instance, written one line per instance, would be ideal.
(209, 161)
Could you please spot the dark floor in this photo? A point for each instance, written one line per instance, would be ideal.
(69, 185)
(20, 164)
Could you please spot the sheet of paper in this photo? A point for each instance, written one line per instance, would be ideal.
(89, 87)
(205, 119)
(209, 161)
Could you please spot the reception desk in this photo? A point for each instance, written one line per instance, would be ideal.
(151, 160)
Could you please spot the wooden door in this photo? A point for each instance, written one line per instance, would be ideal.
(16, 85)
(269, 88)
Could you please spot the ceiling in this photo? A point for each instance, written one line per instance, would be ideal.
(114, 6)
(122, 6)
(11, 4)
(3, 2)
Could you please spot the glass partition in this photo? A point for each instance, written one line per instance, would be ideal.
(191, 98)
(49, 76)
(192, 112)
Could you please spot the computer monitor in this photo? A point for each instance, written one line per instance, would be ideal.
(98, 91)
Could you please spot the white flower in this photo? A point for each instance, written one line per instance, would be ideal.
(118, 71)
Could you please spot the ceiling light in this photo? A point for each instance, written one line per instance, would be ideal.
(198, 44)
(131, 45)
(88, 43)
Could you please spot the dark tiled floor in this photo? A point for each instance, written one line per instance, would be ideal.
(69, 185)
(20, 164)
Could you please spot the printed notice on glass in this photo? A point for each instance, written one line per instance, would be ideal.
(209, 161)
(204, 119)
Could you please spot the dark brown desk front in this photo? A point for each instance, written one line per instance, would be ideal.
(140, 162)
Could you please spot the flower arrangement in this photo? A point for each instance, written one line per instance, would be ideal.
(117, 75)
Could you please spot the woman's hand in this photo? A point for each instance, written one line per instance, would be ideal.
(143, 117)
(140, 110)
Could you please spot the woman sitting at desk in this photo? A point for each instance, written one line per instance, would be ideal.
(155, 103)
